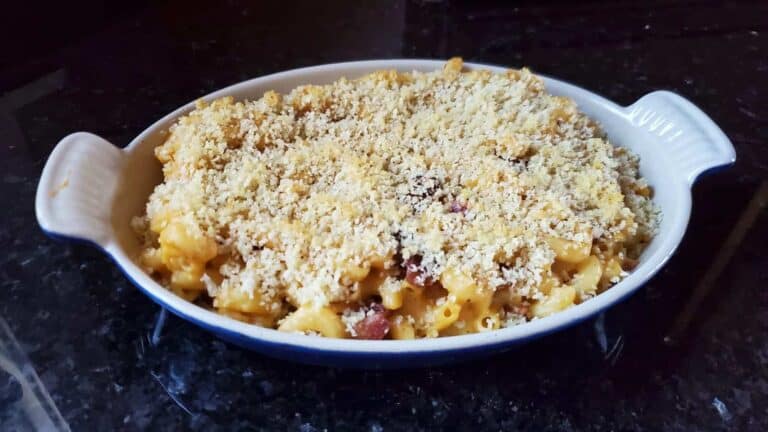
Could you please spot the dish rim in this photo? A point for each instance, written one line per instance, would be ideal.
(218, 323)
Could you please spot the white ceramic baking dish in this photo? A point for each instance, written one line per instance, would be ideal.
(90, 189)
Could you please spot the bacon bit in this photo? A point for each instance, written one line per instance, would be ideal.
(629, 264)
(375, 325)
(457, 207)
(415, 274)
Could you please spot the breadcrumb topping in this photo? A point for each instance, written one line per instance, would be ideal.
(473, 171)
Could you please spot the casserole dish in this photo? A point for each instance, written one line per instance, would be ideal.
(90, 190)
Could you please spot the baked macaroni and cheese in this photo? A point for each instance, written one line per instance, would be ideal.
(397, 205)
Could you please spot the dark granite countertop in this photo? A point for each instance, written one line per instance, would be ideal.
(94, 340)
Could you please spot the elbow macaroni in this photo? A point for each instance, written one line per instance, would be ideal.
(309, 319)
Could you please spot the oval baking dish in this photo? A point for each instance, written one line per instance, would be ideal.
(90, 190)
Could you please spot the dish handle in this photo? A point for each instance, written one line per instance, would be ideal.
(693, 142)
(76, 190)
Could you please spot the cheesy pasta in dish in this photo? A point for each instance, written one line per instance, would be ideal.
(396, 205)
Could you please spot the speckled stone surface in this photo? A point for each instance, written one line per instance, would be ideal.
(89, 334)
